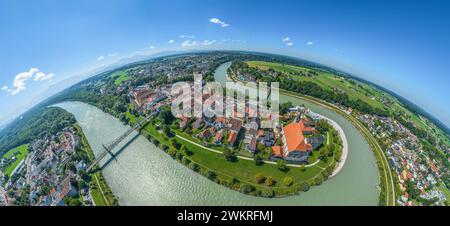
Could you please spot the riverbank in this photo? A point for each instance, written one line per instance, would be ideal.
(239, 174)
(387, 194)
(343, 158)
(98, 187)
(340, 164)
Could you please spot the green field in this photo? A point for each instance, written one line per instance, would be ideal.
(353, 88)
(356, 90)
(23, 152)
(119, 77)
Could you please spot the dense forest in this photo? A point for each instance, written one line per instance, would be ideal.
(37, 123)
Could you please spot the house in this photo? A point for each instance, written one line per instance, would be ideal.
(315, 141)
(295, 147)
(183, 122)
(198, 124)
(219, 136)
(277, 152)
(141, 96)
(253, 124)
(251, 147)
(205, 134)
(235, 125)
(232, 138)
(220, 122)
(68, 189)
(268, 138)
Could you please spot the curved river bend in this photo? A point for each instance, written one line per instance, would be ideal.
(142, 174)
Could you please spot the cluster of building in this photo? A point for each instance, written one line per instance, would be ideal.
(143, 98)
(50, 173)
(175, 67)
(409, 161)
(292, 142)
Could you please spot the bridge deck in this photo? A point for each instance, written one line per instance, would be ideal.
(108, 148)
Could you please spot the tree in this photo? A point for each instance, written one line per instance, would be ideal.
(304, 187)
(282, 165)
(258, 160)
(246, 188)
(302, 168)
(318, 180)
(267, 192)
(323, 156)
(228, 153)
(322, 126)
(156, 142)
(179, 156)
(194, 166)
(175, 144)
(165, 115)
(288, 181)
(269, 181)
(172, 152)
(185, 160)
(186, 151)
(120, 107)
(211, 175)
(167, 131)
(284, 107)
(259, 178)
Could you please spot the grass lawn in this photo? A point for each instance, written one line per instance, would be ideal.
(23, 152)
(98, 188)
(243, 170)
(355, 90)
(120, 76)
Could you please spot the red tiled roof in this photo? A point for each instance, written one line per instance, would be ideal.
(276, 151)
(295, 141)
(221, 119)
(232, 137)
(219, 135)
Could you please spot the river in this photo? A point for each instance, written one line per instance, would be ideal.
(142, 174)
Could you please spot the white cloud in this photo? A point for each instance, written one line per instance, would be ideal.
(20, 79)
(189, 43)
(171, 41)
(151, 47)
(187, 36)
(113, 54)
(207, 42)
(309, 43)
(100, 58)
(288, 41)
(217, 21)
(42, 77)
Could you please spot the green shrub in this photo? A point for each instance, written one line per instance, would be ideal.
(267, 192)
(246, 188)
(270, 181)
(288, 181)
(259, 178)
(194, 166)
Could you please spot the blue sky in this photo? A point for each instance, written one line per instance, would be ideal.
(403, 46)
